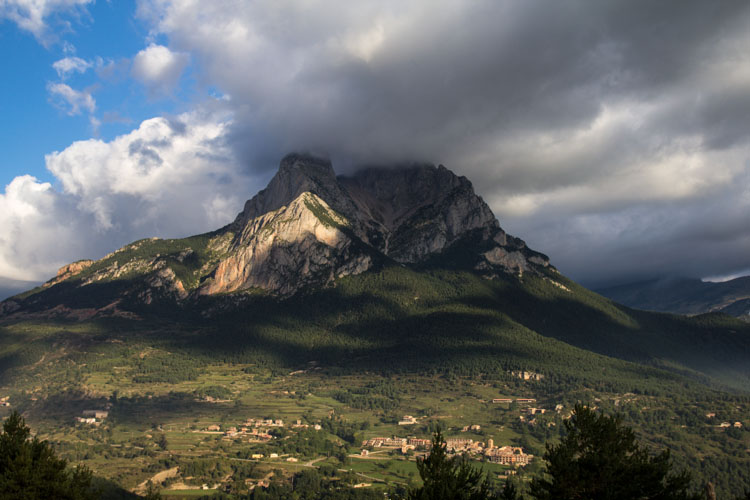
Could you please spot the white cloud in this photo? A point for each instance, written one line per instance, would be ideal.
(39, 230)
(159, 68)
(68, 48)
(31, 15)
(71, 100)
(564, 115)
(69, 65)
(596, 131)
(170, 177)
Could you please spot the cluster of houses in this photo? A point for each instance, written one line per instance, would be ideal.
(407, 420)
(519, 401)
(506, 455)
(736, 425)
(724, 425)
(258, 456)
(523, 375)
(256, 429)
(92, 417)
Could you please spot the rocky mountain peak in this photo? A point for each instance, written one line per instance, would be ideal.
(393, 195)
(283, 250)
(307, 228)
(297, 174)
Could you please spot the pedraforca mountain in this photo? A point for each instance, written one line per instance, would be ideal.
(307, 228)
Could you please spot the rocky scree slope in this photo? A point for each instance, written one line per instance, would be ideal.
(308, 227)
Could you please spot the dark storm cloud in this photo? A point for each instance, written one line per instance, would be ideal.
(571, 118)
(9, 287)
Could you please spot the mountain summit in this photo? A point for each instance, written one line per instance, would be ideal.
(308, 227)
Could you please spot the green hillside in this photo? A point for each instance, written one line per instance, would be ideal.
(433, 341)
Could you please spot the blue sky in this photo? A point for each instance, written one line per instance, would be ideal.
(612, 136)
(104, 34)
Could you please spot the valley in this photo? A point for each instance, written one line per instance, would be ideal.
(337, 311)
(350, 360)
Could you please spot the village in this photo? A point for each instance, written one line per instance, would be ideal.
(504, 455)
(401, 440)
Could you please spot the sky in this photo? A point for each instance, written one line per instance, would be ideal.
(612, 136)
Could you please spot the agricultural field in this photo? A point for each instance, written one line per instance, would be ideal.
(187, 438)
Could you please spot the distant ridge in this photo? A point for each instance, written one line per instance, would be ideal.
(10, 287)
(685, 296)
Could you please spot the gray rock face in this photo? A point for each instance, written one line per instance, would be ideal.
(297, 174)
(418, 211)
(309, 226)
(286, 249)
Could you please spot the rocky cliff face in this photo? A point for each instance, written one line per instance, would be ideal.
(286, 249)
(309, 227)
(68, 271)
(418, 211)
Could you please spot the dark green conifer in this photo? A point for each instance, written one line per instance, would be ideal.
(599, 458)
(30, 469)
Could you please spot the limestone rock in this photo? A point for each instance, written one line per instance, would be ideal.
(68, 271)
(288, 248)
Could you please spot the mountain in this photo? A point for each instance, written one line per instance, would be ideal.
(685, 296)
(309, 230)
(348, 302)
(308, 227)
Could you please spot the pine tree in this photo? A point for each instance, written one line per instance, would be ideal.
(510, 492)
(599, 458)
(29, 468)
(449, 478)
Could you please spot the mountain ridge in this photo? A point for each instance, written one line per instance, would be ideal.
(439, 322)
(308, 227)
(685, 296)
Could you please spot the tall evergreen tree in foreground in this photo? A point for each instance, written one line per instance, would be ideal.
(30, 470)
(449, 478)
(600, 459)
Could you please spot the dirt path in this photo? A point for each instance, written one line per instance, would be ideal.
(157, 479)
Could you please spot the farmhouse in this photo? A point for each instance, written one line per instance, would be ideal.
(458, 444)
(419, 443)
(508, 455)
(100, 414)
(407, 420)
(392, 442)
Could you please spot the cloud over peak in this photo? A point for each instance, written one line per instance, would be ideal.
(611, 135)
(159, 68)
(572, 114)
